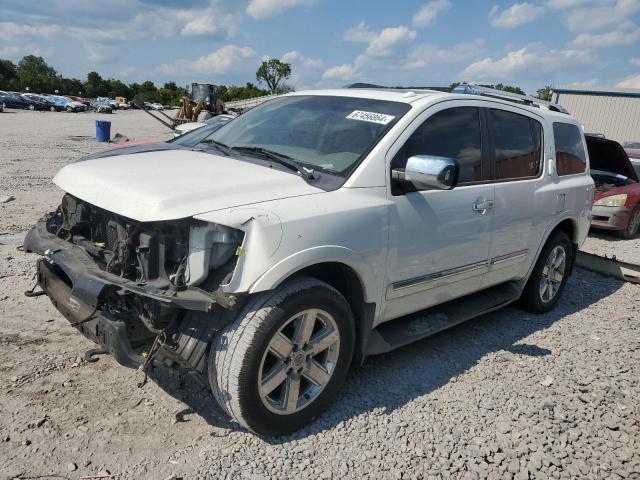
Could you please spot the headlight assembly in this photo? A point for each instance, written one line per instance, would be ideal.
(612, 201)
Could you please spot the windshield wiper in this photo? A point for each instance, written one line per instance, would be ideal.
(220, 146)
(281, 158)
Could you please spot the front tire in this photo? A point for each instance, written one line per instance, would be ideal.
(549, 276)
(284, 358)
(631, 230)
(32, 107)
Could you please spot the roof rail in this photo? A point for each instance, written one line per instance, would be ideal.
(473, 89)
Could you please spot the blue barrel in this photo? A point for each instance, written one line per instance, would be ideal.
(103, 131)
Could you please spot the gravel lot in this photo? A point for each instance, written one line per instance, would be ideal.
(506, 395)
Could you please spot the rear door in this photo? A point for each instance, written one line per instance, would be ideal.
(521, 205)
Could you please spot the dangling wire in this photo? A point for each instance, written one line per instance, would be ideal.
(158, 342)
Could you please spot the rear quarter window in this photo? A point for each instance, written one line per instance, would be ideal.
(570, 154)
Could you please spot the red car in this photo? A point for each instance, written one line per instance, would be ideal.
(616, 204)
(85, 101)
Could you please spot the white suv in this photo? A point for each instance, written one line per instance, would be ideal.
(312, 231)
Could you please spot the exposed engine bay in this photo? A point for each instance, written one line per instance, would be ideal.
(162, 259)
(605, 181)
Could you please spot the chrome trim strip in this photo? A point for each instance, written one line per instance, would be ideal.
(412, 282)
(509, 256)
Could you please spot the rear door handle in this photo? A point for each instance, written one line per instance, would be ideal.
(482, 205)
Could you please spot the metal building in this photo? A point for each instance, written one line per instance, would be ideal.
(613, 112)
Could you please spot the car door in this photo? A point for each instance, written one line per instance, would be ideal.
(439, 240)
(522, 209)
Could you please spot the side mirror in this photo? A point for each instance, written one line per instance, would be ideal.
(428, 172)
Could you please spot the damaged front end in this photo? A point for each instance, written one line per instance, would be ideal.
(125, 284)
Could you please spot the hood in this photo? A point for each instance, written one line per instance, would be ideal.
(608, 155)
(172, 184)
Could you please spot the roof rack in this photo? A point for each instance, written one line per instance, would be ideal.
(473, 89)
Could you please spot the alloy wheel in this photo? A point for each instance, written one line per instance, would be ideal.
(553, 274)
(299, 361)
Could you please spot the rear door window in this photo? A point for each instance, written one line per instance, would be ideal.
(518, 145)
(570, 155)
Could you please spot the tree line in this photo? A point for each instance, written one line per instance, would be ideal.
(32, 73)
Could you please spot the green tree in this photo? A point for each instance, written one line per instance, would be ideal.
(95, 85)
(33, 72)
(506, 88)
(117, 88)
(545, 93)
(272, 72)
(70, 86)
(8, 75)
(171, 94)
(146, 92)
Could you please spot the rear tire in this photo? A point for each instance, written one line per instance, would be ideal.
(549, 276)
(31, 107)
(284, 358)
(631, 230)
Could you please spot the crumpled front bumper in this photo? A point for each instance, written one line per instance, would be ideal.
(76, 286)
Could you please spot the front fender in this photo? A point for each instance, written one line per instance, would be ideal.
(313, 256)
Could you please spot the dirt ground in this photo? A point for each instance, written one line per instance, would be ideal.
(508, 395)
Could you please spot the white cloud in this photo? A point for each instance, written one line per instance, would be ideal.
(360, 33)
(344, 72)
(127, 71)
(514, 16)
(601, 17)
(427, 54)
(16, 51)
(635, 62)
(224, 60)
(96, 56)
(385, 43)
(589, 83)
(297, 58)
(260, 9)
(305, 71)
(531, 62)
(632, 81)
(205, 23)
(11, 30)
(381, 44)
(429, 12)
(565, 4)
(614, 38)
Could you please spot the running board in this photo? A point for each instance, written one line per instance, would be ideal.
(405, 330)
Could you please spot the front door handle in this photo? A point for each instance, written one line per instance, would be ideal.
(482, 205)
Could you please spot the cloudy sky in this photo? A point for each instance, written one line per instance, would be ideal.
(333, 42)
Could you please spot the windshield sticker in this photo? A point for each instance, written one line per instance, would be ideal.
(372, 117)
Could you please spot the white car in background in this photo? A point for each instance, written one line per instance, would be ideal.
(191, 126)
(312, 231)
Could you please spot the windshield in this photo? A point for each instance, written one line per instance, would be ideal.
(327, 133)
(194, 137)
